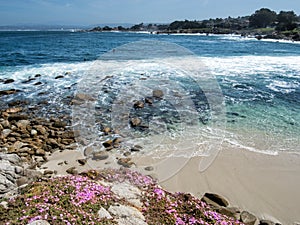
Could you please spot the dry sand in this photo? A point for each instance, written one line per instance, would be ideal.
(268, 186)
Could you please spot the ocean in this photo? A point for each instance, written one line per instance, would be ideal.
(214, 89)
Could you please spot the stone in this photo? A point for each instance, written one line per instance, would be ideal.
(158, 93)
(138, 104)
(5, 124)
(8, 92)
(17, 117)
(33, 132)
(88, 151)
(22, 124)
(59, 77)
(108, 144)
(106, 130)
(149, 100)
(82, 161)
(46, 172)
(126, 162)
(129, 192)
(72, 171)
(5, 133)
(39, 222)
(59, 124)
(127, 215)
(103, 213)
(135, 121)
(136, 148)
(149, 168)
(215, 200)
(21, 181)
(40, 152)
(266, 222)
(100, 155)
(248, 218)
(42, 130)
(14, 110)
(83, 97)
(8, 81)
(230, 212)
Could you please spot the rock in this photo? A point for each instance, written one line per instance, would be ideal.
(108, 144)
(8, 92)
(72, 170)
(149, 100)
(100, 155)
(5, 133)
(129, 192)
(127, 215)
(4, 204)
(48, 172)
(82, 161)
(41, 130)
(158, 93)
(230, 212)
(59, 124)
(38, 75)
(40, 152)
(83, 97)
(14, 110)
(126, 162)
(106, 130)
(21, 181)
(248, 218)
(149, 168)
(22, 124)
(59, 77)
(37, 83)
(17, 117)
(266, 222)
(136, 148)
(33, 132)
(138, 104)
(5, 124)
(88, 151)
(103, 213)
(135, 122)
(215, 200)
(8, 81)
(39, 222)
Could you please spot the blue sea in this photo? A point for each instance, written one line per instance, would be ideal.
(258, 82)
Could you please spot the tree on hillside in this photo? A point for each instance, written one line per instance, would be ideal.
(287, 20)
(262, 18)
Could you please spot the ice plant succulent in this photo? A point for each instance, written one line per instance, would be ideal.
(77, 200)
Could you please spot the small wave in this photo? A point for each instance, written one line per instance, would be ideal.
(248, 148)
(283, 86)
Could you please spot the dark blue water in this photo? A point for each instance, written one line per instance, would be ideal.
(260, 80)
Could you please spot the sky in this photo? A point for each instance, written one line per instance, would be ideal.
(90, 12)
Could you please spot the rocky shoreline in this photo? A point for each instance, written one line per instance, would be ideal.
(26, 144)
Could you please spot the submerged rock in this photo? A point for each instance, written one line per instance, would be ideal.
(248, 218)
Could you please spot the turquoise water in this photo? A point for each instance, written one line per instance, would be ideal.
(259, 80)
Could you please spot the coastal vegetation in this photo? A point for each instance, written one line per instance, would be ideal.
(263, 23)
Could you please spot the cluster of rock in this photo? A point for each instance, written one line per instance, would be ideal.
(221, 205)
(25, 143)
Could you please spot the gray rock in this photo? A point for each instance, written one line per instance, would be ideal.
(21, 181)
(39, 222)
(149, 168)
(5, 133)
(266, 222)
(103, 213)
(127, 215)
(72, 171)
(231, 212)
(100, 155)
(248, 218)
(158, 93)
(129, 192)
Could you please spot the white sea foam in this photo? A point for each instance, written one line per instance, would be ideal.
(283, 86)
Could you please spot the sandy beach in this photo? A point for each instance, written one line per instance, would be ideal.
(267, 186)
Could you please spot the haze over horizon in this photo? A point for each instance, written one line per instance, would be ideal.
(89, 12)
